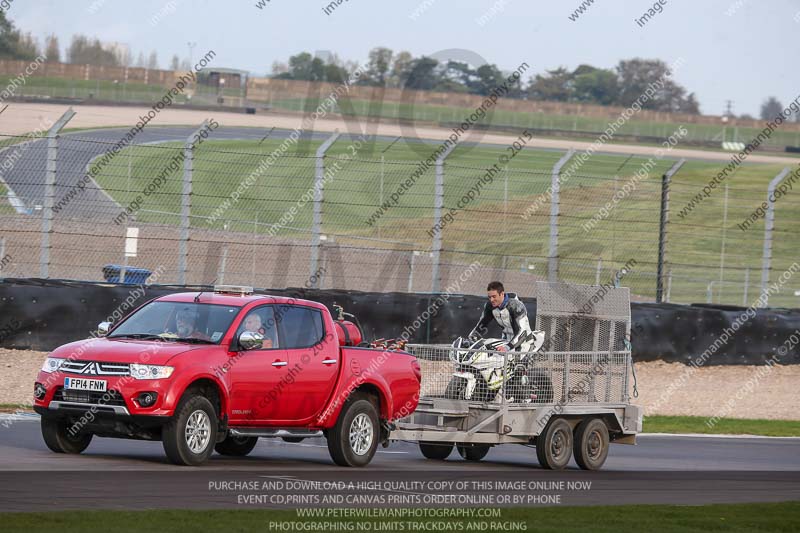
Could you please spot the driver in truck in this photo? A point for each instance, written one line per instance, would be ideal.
(508, 311)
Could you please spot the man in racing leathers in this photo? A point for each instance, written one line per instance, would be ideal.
(508, 311)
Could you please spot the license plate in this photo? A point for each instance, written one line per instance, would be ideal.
(97, 385)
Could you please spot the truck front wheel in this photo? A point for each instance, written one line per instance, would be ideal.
(57, 436)
(188, 438)
(354, 438)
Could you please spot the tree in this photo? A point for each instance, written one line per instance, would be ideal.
(84, 51)
(401, 68)
(595, 85)
(140, 61)
(487, 78)
(51, 49)
(152, 61)
(175, 63)
(279, 67)
(771, 108)
(423, 75)
(555, 86)
(14, 45)
(636, 77)
(380, 59)
(28, 47)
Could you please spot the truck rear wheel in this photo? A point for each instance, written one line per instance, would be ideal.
(436, 451)
(473, 452)
(236, 446)
(354, 438)
(554, 445)
(591, 444)
(57, 436)
(188, 438)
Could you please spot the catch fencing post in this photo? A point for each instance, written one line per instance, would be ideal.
(438, 203)
(50, 191)
(186, 203)
(769, 225)
(662, 227)
(316, 229)
(555, 208)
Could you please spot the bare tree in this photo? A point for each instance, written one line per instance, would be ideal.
(52, 49)
(771, 108)
(152, 61)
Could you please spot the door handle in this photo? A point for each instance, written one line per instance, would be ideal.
(280, 363)
(329, 361)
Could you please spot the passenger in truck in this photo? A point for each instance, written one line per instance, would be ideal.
(254, 324)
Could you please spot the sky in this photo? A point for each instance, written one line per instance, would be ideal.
(739, 50)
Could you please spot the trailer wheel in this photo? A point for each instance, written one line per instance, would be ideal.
(473, 453)
(436, 451)
(591, 444)
(554, 445)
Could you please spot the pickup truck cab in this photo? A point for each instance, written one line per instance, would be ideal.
(205, 371)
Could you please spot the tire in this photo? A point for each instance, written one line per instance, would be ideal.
(436, 451)
(192, 412)
(236, 446)
(554, 445)
(541, 385)
(293, 440)
(354, 438)
(591, 443)
(57, 437)
(473, 453)
(457, 389)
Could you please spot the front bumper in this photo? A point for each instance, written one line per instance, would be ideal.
(120, 400)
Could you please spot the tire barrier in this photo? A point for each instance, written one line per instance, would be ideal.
(43, 314)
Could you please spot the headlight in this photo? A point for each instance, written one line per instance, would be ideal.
(150, 371)
(51, 364)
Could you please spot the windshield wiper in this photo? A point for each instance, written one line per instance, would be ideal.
(143, 336)
(192, 340)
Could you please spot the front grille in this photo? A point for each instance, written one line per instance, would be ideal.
(110, 397)
(95, 368)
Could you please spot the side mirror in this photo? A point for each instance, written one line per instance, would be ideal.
(250, 341)
(103, 328)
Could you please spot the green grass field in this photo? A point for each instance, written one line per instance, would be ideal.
(612, 519)
(363, 182)
(725, 426)
(104, 90)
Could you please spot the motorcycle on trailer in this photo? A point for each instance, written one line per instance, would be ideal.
(488, 369)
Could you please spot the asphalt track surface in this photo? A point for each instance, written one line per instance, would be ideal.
(77, 150)
(123, 474)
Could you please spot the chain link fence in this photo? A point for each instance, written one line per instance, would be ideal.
(380, 215)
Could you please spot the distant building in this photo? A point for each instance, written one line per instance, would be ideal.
(225, 78)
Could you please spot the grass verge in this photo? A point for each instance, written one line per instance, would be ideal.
(729, 426)
(663, 518)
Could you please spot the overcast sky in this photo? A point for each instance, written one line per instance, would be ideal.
(740, 50)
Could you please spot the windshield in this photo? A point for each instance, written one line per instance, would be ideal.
(178, 321)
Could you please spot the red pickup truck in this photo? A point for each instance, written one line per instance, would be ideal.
(217, 370)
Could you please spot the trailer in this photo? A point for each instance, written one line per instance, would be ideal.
(572, 401)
